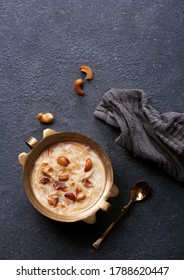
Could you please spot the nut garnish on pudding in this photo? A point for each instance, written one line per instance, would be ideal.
(68, 177)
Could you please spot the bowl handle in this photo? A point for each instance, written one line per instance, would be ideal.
(31, 142)
(106, 206)
(114, 191)
(48, 132)
(90, 220)
(22, 159)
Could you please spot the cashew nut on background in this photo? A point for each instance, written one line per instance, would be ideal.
(78, 86)
(89, 72)
(45, 118)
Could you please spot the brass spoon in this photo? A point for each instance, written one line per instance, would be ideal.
(138, 192)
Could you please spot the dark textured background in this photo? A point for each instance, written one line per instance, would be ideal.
(128, 44)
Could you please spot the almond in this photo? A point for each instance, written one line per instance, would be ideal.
(63, 177)
(87, 183)
(53, 199)
(63, 161)
(45, 181)
(70, 196)
(60, 187)
(88, 165)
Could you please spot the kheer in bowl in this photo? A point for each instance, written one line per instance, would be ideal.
(67, 176)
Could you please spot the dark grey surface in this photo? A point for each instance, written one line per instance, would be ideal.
(129, 44)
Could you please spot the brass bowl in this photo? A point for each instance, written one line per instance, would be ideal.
(51, 137)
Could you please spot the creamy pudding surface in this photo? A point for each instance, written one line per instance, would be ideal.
(68, 177)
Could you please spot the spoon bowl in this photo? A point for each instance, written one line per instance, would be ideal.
(139, 191)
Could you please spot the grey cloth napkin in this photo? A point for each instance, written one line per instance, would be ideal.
(144, 131)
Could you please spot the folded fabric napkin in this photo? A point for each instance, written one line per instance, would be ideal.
(144, 131)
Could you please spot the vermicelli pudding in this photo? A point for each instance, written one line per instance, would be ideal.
(68, 177)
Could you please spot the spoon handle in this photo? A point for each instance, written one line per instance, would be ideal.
(98, 242)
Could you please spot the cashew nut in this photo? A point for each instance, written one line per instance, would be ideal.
(89, 72)
(78, 86)
(45, 118)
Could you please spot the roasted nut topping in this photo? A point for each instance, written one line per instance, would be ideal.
(80, 196)
(78, 189)
(59, 187)
(70, 196)
(45, 181)
(46, 169)
(53, 199)
(63, 161)
(87, 183)
(78, 86)
(45, 118)
(61, 205)
(63, 177)
(88, 165)
(89, 73)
